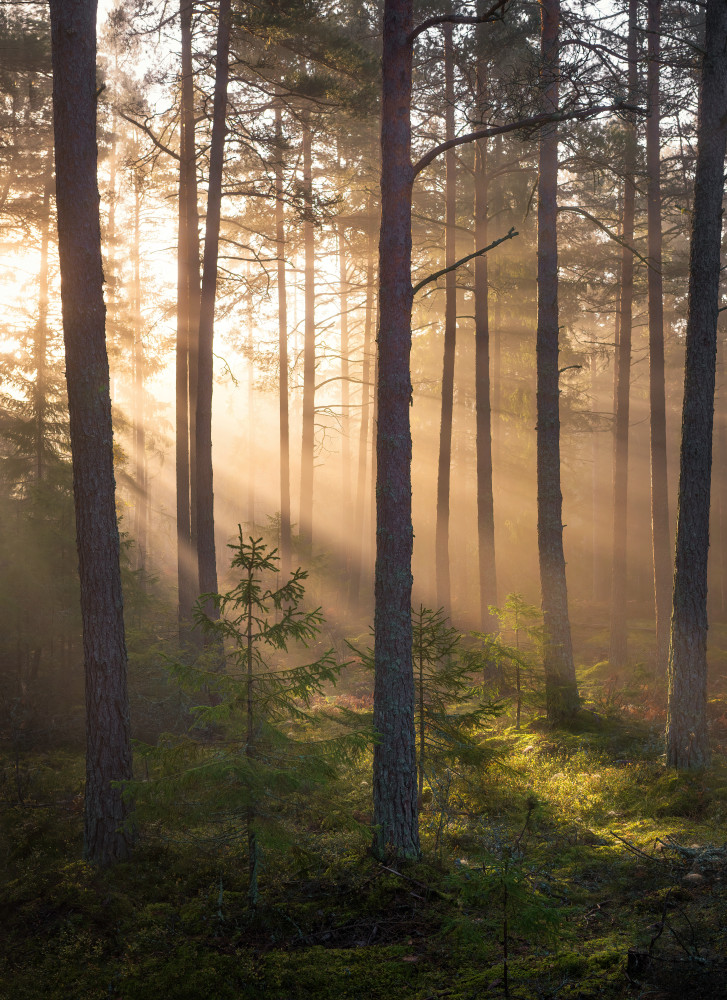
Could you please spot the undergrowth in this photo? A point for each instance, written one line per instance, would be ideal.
(561, 861)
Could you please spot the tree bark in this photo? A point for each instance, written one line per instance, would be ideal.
(359, 530)
(561, 691)
(285, 554)
(108, 748)
(40, 339)
(450, 337)
(687, 738)
(187, 328)
(657, 392)
(139, 433)
(206, 561)
(309, 355)
(619, 574)
(394, 773)
(485, 501)
(345, 398)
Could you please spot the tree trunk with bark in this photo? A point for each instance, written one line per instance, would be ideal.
(285, 554)
(657, 393)
(450, 337)
(107, 837)
(687, 738)
(187, 330)
(359, 531)
(206, 560)
(139, 433)
(307, 458)
(345, 398)
(396, 818)
(485, 500)
(561, 691)
(619, 573)
(40, 339)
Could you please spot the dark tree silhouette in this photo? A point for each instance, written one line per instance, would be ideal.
(657, 407)
(395, 776)
(108, 747)
(561, 692)
(687, 738)
(619, 580)
(205, 496)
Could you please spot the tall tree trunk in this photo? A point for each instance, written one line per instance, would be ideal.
(444, 598)
(485, 501)
(309, 355)
(561, 692)
(601, 577)
(360, 523)
(206, 561)
(619, 578)
(108, 747)
(394, 775)
(345, 396)
(687, 739)
(40, 339)
(187, 305)
(139, 433)
(251, 430)
(720, 444)
(285, 554)
(657, 394)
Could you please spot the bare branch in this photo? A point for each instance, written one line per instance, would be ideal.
(463, 260)
(524, 123)
(495, 13)
(606, 230)
(144, 127)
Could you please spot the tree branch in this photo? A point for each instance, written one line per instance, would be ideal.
(493, 14)
(458, 263)
(143, 126)
(606, 230)
(524, 123)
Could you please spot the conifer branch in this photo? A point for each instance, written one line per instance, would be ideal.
(495, 13)
(463, 260)
(533, 122)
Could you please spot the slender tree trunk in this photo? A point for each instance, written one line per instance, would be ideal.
(40, 339)
(496, 334)
(485, 501)
(687, 738)
(206, 560)
(108, 747)
(395, 774)
(657, 393)
(561, 692)
(619, 579)
(251, 430)
(444, 597)
(285, 554)
(721, 452)
(252, 847)
(187, 291)
(309, 355)
(138, 408)
(345, 395)
(359, 530)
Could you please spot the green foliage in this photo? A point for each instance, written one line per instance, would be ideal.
(449, 713)
(509, 660)
(259, 741)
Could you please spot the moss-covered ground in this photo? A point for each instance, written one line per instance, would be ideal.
(583, 840)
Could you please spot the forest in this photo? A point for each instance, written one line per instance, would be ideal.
(363, 493)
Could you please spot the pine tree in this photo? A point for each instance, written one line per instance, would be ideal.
(259, 740)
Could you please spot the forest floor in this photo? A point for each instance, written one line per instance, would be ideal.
(603, 872)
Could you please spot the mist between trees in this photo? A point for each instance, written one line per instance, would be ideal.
(424, 299)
